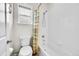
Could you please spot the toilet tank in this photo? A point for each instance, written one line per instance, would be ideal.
(25, 39)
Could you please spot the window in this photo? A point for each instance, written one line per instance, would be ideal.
(24, 15)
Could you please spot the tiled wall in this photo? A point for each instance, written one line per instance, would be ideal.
(63, 27)
(43, 26)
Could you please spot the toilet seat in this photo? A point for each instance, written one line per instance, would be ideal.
(25, 51)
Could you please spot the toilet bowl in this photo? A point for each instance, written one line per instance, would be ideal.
(25, 51)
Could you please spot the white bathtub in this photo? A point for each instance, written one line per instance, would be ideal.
(48, 51)
(43, 52)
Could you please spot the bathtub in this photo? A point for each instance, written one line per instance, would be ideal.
(48, 51)
(54, 51)
(43, 52)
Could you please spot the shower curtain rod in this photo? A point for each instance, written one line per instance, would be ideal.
(25, 7)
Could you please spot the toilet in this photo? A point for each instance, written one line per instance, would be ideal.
(26, 49)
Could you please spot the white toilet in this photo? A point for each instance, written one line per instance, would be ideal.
(26, 49)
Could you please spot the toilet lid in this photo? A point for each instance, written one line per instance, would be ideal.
(26, 50)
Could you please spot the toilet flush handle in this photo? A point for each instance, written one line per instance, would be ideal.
(9, 41)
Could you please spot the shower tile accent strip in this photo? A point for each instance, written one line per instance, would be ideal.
(35, 34)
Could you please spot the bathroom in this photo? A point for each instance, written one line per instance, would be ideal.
(25, 29)
(20, 29)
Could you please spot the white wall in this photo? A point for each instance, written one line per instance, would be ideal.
(63, 28)
(2, 19)
(3, 45)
